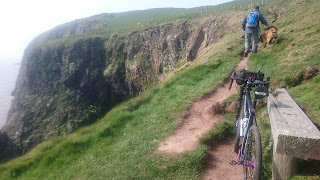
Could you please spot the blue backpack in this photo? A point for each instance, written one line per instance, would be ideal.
(253, 19)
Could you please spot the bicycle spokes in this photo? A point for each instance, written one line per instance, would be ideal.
(249, 157)
(252, 154)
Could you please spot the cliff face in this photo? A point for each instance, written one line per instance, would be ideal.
(155, 52)
(62, 86)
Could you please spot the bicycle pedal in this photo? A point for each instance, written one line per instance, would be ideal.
(233, 162)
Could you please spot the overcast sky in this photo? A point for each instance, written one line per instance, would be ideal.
(22, 20)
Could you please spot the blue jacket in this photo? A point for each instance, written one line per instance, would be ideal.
(253, 29)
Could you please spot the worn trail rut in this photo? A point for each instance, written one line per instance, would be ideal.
(200, 120)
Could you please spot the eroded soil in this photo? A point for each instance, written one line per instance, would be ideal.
(199, 120)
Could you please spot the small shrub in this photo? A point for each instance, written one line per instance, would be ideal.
(290, 81)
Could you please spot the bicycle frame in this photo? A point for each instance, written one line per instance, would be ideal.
(249, 151)
(249, 111)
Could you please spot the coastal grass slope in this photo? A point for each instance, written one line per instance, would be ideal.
(122, 144)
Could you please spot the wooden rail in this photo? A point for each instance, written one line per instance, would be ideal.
(294, 135)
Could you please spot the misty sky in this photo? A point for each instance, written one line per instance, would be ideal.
(22, 20)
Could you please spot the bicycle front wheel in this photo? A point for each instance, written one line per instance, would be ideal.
(238, 137)
(252, 155)
(236, 145)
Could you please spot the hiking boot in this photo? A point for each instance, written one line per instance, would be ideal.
(245, 54)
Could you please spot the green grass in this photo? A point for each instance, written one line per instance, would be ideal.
(306, 96)
(267, 141)
(305, 177)
(125, 23)
(222, 130)
(287, 63)
(122, 144)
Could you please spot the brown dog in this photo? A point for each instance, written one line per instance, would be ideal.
(271, 33)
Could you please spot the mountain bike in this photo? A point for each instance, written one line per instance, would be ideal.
(248, 141)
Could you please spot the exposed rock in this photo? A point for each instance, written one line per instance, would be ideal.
(62, 86)
(59, 89)
(207, 34)
(155, 52)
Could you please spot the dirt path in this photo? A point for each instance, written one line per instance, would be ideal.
(200, 120)
(217, 166)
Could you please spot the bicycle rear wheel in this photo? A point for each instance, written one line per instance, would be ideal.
(252, 155)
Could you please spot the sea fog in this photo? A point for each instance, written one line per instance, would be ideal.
(9, 69)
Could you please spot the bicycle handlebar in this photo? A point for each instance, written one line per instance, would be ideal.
(255, 82)
(258, 82)
(237, 78)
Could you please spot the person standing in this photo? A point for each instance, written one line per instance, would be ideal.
(250, 25)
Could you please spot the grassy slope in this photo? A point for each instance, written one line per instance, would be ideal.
(121, 145)
(299, 31)
(123, 24)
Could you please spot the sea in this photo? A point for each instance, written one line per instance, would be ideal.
(9, 69)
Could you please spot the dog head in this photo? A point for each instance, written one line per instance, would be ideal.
(272, 29)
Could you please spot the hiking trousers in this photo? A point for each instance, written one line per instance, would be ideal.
(255, 40)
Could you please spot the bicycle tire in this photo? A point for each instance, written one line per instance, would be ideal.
(236, 145)
(252, 154)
